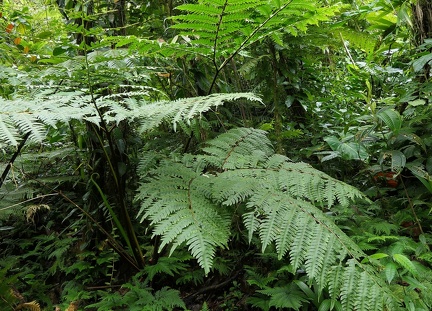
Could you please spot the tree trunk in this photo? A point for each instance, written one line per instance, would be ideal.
(422, 20)
(119, 18)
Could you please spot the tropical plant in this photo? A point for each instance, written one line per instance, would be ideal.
(190, 201)
(110, 127)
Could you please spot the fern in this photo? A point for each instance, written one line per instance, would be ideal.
(20, 116)
(139, 297)
(188, 202)
(151, 115)
(218, 31)
(185, 214)
(223, 28)
(285, 297)
(165, 265)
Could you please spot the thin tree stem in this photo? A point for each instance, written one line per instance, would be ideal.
(12, 160)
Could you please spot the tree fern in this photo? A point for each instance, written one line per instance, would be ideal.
(220, 30)
(223, 28)
(188, 202)
(22, 115)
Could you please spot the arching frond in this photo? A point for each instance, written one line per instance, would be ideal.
(189, 202)
(20, 116)
(181, 213)
(223, 28)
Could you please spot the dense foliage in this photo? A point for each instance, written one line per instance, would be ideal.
(215, 155)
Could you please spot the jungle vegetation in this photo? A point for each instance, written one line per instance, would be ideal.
(215, 155)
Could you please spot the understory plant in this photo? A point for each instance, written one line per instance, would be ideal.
(144, 190)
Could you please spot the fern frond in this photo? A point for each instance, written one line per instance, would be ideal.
(251, 222)
(349, 285)
(240, 147)
(167, 298)
(284, 297)
(31, 306)
(20, 116)
(32, 211)
(307, 183)
(164, 265)
(224, 28)
(8, 133)
(318, 245)
(181, 214)
(281, 201)
(151, 115)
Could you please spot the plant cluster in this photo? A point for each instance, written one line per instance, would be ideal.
(239, 155)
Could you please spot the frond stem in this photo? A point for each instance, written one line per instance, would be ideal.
(12, 160)
(114, 244)
(219, 23)
(136, 248)
(245, 42)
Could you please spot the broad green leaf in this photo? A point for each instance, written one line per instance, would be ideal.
(329, 155)
(325, 305)
(412, 138)
(405, 262)
(421, 175)
(306, 289)
(391, 118)
(378, 256)
(333, 142)
(419, 63)
(390, 271)
(398, 159)
(416, 283)
(417, 102)
(353, 151)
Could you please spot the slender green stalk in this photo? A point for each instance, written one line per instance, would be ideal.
(112, 213)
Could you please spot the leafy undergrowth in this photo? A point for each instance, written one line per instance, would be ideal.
(44, 262)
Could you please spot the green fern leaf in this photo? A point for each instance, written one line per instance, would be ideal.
(287, 224)
(284, 297)
(318, 245)
(186, 205)
(8, 133)
(364, 289)
(241, 147)
(349, 285)
(251, 223)
(151, 115)
(166, 265)
(181, 214)
(221, 29)
(335, 282)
